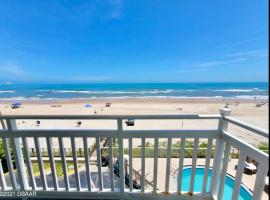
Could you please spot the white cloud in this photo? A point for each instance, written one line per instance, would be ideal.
(254, 53)
(193, 70)
(16, 70)
(243, 42)
(6, 83)
(9, 70)
(84, 13)
(210, 65)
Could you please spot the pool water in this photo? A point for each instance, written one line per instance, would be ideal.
(245, 194)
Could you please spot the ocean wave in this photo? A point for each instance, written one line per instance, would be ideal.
(263, 97)
(71, 91)
(7, 91)
(142, 97)
(44, 90)
(20, 98)
(109, 92)
(154, 91)
(153, 97)
(235, 90)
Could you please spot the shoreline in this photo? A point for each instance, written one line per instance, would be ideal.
(138, 99)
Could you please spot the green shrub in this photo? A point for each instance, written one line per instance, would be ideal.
(189, 144)
(264, 147)
(3, 155)
(203, 145)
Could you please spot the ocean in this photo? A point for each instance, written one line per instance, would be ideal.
(34, 91)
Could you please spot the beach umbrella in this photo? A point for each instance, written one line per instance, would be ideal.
(16, 105)
(88, 105)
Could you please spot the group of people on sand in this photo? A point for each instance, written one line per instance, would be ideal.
(261, 103)
(79, 123)
(107, 105)
(56, 105)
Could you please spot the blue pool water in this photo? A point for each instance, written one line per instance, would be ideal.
(245, 194)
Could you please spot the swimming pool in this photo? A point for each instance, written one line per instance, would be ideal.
(245, 194)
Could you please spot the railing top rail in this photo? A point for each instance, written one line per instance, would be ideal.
(112, 117)
(110, 133)
(252, 151)
(260, 131)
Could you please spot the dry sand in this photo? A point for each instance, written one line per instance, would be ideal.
(245, 111)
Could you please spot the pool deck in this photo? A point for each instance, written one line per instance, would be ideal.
(248, 180)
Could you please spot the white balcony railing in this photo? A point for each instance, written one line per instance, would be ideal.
(121, 182)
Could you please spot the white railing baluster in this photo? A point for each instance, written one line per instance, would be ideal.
(29, 164)
(52, 163)
(99, 164)
(9, 163)
(75, 161)
(222, 126)
(2, 178)
(260, 180)
(40, 164)
(239, 174)
(216, 166)
(2, 122)
(8, 157)
(224, 170)
(155, 166)
(111, 163)
(194, 163)
(64, 165)
(87, 163)
(121, 156)
(142, 181)
(181, 163)
(168, 165)
(18, 156)
(207, 164)
(130, 171)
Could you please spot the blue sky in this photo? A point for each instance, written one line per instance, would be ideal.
(134, 41)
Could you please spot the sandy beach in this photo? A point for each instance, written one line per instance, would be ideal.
(245, 110)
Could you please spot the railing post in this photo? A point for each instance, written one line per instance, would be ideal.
(121, 157)
(222, 125)
(18, 155)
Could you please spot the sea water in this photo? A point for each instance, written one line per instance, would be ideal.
(21, 91)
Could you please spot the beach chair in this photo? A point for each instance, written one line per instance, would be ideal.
(130, 122)
(37, 123)
(79, 123)
(250, 168)
(266, 186)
